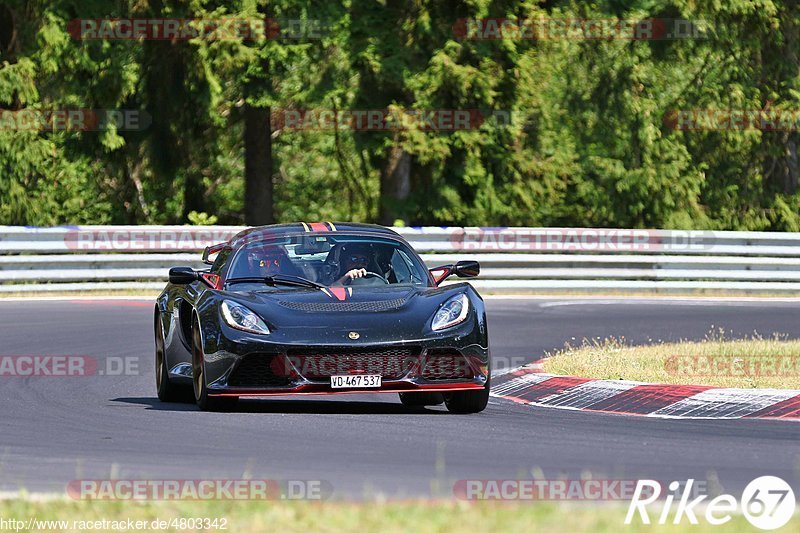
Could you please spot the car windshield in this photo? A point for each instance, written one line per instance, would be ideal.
(327, 259)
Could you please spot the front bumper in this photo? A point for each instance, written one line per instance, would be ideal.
(307, 370)
(301, 360)
(316, 389)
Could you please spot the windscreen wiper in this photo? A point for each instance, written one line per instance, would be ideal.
(280, 279)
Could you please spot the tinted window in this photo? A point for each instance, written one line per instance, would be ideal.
(326, 259)
(219, 262)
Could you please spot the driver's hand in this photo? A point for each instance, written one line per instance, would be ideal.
(356, 273)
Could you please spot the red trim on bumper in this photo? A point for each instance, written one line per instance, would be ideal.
(304, 390)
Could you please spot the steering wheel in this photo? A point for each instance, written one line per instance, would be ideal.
(365, 278)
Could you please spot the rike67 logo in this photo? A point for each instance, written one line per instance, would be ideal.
(768, 502)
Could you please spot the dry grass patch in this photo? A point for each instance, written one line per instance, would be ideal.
(716, 361)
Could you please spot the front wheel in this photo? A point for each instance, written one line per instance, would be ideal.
(467, 401)
(168, 391)
(204, 401)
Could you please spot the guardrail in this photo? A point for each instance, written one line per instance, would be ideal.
(85, 258)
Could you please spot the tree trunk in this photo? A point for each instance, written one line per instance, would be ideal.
(790, 183)
(257, 166)
(8, 35)
(395, 185)
(194, 193)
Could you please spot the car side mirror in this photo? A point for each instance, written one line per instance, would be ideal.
(462, 269)
(183, 275)
(467, 269)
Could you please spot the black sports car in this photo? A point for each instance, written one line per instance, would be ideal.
(321, 308)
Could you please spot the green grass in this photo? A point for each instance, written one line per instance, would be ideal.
(715, 361)
(417, 516)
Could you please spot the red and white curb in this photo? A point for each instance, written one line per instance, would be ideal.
(528, 385)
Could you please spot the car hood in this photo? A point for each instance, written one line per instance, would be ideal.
(376, 314)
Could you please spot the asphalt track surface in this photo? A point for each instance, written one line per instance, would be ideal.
(56, 429)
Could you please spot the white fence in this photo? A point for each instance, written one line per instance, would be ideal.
(512, 259)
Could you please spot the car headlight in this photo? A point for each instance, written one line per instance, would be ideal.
(238, 316)
(454, 311)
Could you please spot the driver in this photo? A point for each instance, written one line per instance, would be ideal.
(354, 261)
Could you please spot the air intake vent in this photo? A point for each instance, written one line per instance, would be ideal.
(338, 307)
(258, 370)
(446, 364)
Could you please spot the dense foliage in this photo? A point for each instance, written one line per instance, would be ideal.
(578, 132)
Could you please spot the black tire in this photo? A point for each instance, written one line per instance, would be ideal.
(166, 389)
(421, 399)
(468, 401)
(204, 401)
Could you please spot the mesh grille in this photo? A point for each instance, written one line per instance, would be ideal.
(391, 363)
(258, 370)
(446, 364)
(329, 307)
